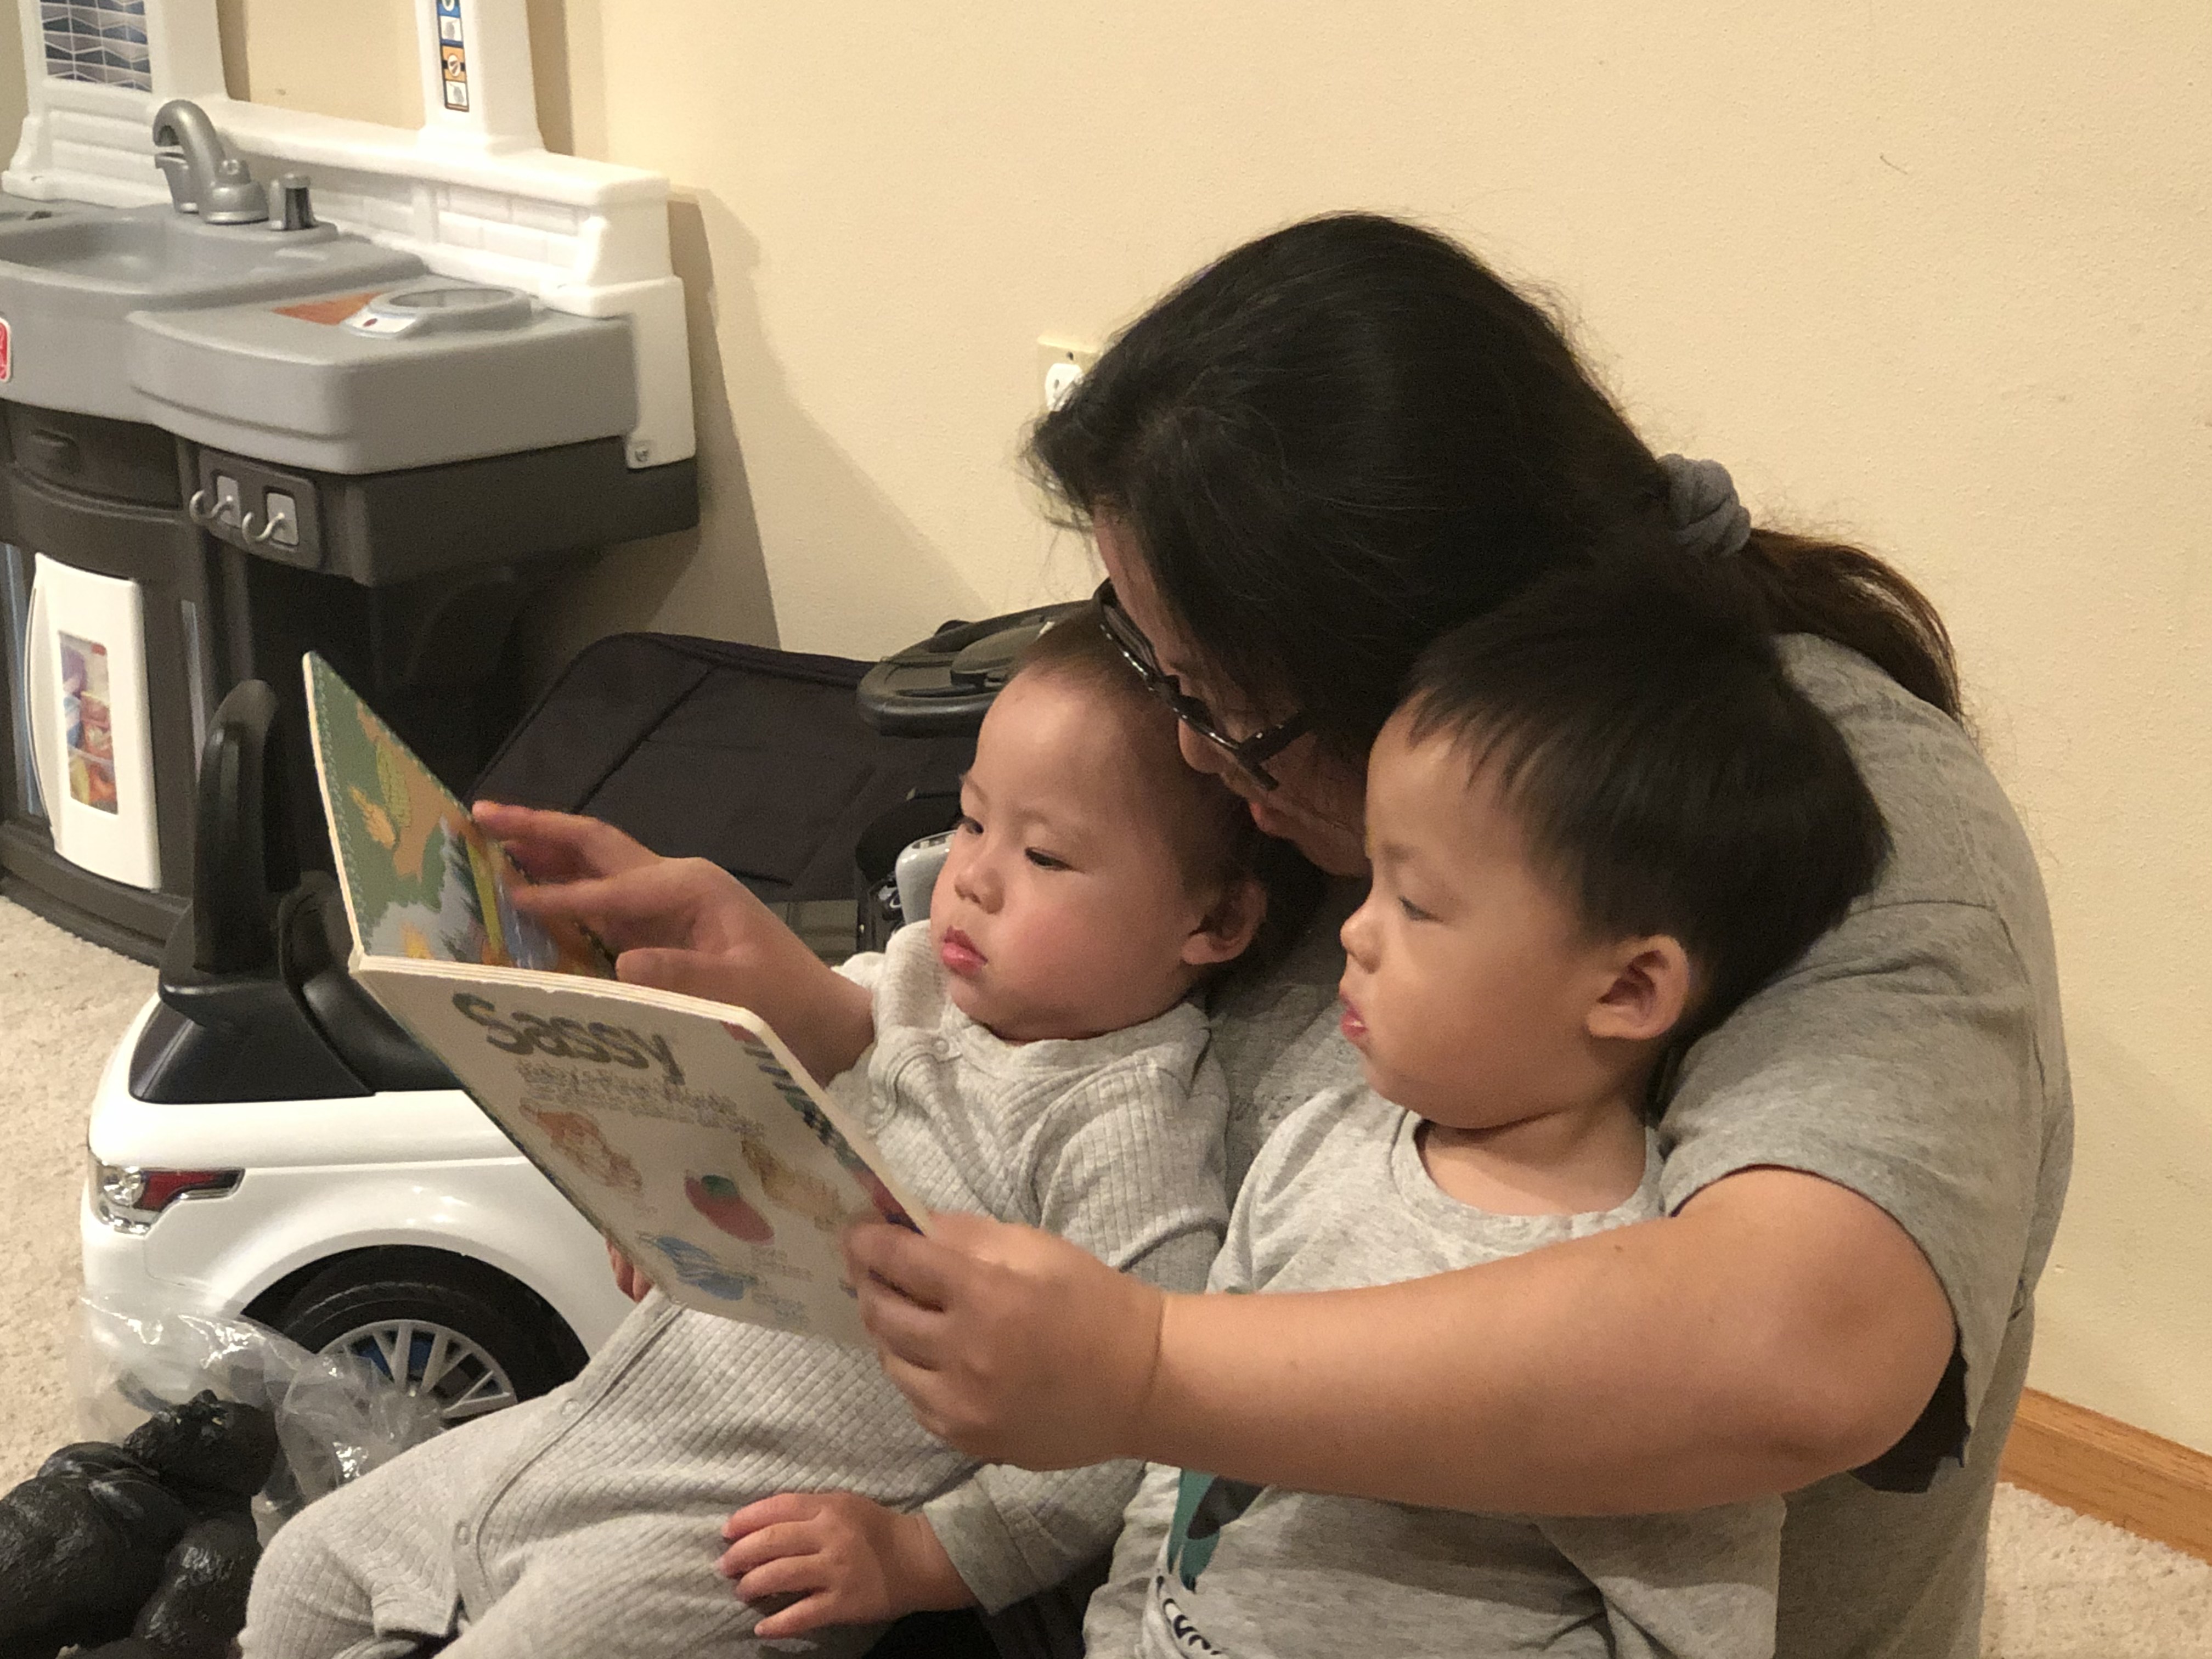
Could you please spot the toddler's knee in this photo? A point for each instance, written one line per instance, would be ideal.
(301, 1547)
(302, 1580)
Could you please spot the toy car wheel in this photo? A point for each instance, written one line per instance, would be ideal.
(462, 1340)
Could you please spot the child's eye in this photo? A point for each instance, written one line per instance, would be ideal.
(965, 825)
(1045, 861)
(1413, 912)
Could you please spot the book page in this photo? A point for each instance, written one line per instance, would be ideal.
(684, 1130)
(420, 878)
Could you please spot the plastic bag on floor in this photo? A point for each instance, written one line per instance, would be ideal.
(336, 1418)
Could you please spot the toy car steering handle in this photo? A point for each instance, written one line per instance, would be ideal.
(233, 863)
(946, 682)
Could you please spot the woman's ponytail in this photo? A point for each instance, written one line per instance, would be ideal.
(1845, 594)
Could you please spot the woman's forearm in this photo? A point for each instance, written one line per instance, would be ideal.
(1778, 1330)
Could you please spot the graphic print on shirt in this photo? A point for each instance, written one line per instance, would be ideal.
(1205, 1503)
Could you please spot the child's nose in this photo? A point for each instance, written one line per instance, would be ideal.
(1358, 934)
(978, 880)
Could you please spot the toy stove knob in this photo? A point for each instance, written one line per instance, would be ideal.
(443, 308)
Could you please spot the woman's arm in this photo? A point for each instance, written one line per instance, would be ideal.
(1778, 1329)
(685, 925)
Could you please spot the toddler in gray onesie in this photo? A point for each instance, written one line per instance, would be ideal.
(1601, 817)
(1036, 1056)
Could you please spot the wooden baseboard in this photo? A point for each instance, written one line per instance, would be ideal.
(2100, 1466)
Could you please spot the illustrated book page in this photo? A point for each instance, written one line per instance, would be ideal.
(420, 878)
(684, 1130)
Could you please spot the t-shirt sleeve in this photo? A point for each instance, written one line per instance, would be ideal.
(1701, 1584)
(1900, 1060)
(1113, 1625)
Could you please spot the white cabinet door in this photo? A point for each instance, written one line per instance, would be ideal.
(90, 735)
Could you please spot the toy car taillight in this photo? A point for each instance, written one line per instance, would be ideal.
(129, 1199)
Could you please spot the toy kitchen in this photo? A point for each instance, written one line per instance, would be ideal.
(272, 380)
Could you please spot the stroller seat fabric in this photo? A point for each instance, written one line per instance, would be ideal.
(754, 758)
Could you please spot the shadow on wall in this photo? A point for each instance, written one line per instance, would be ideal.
(553, 71)
(2122, 1325)
(841, 533)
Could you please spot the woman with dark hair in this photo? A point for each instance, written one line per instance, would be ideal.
(1301, 467)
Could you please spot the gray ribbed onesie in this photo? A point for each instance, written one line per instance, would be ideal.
(587, 1523)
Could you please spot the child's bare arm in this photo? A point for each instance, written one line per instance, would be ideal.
(846, 1559)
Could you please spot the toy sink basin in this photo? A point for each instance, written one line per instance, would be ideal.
(156, 256)
(69, 280)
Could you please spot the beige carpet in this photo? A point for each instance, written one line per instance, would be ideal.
(2061, 1586)
(63, 1003)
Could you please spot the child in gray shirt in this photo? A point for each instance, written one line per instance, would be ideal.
(1601, 818)
(1037, 1057)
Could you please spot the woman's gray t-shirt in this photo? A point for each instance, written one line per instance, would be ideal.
(1913, 1055)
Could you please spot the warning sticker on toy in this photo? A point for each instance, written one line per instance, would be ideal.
(453, 54)
(336, 309)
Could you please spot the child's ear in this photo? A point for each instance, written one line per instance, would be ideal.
(1651, 983)
(1224, 931)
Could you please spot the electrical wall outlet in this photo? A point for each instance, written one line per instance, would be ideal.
(1060, 364)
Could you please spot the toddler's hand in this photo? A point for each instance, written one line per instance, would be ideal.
(630, 1279)
(683, 925)
(848, 1560)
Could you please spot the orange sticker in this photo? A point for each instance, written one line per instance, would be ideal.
(336, 309)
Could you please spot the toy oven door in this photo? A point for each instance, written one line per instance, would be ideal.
(85, 706)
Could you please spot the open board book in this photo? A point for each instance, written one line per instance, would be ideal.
(683, 1129)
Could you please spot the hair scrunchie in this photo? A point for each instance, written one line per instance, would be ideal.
(1702, 505)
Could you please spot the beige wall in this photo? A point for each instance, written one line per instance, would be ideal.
(355, 59)
(13, 99)
(1932, 274)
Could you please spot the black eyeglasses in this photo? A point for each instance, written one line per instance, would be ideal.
(1249, 755)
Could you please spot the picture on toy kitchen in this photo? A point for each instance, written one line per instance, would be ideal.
(91, 734)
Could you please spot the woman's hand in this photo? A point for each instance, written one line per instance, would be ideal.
(1011, 1344)
(683, 925)
(835, 1558)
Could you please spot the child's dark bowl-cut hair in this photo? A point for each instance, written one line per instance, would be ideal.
(1640, 727)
